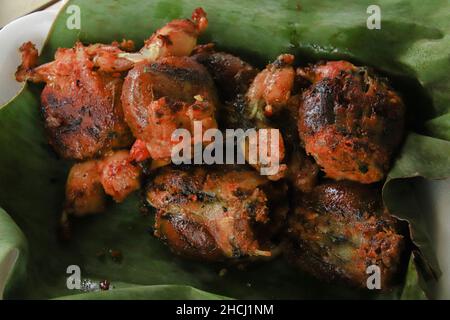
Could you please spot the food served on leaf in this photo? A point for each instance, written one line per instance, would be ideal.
(89, 182)
(84, 192)
(268, 93)
(339, 229)
(177, 38)
(119, 176)
(81, 100)
(231, 74)
(232, 77)
(215, 214)
(301, 170)
(81, 106)
(350, 121)
(168, 94)
(333, 116)
(246, 95)
(167, 90)
(271, 89)
(251, 97)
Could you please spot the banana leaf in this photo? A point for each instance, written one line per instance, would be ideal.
(412, 48)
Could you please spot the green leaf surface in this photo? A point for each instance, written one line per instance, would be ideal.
(156, 292)
(411, 290)
(412, 48)
(13, 252)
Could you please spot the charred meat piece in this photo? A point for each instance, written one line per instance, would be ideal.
(177, 38)
(107, 58)
(254, 103)
(89, 182)
(84, 191)
(81, 107)
(268, 93)
(231, 74)
(271, 89)
(330, 69)
(162, 96)
(214, 214)
(350, 121)
(264, 151)
(118, 175)
(340, 229)
(302, 171)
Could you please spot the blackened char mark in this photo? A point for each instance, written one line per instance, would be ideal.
(179, 74)
(318, 105)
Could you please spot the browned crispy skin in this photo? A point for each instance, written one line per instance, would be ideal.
(350, 121)
(272, 87)
(30, 57)
(81, 107)
(233, 77)
(118, 175)
(212, 214)
(107, 57)
(177, 38)
(187, 237)
(341, 228)
(90, 181)
(84, 192)
(231, 74)
(161, 96)
(244, 92)
(302, 170)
